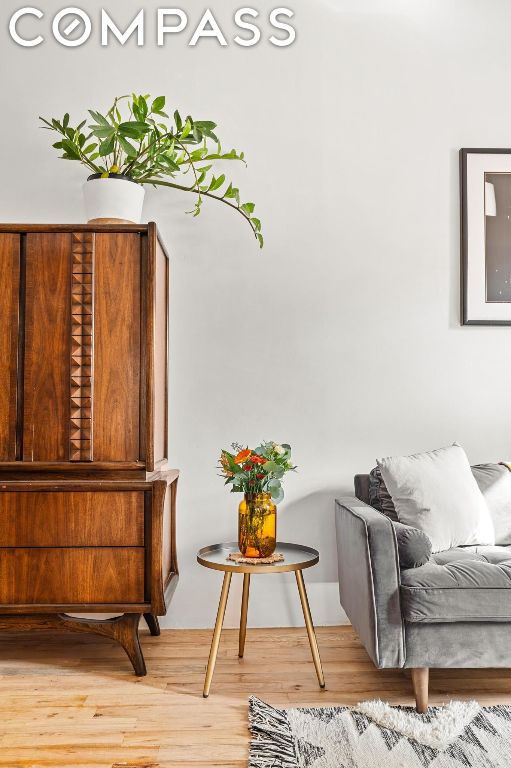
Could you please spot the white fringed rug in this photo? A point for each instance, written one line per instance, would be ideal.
(375, 735)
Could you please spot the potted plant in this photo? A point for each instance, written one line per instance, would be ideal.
(258, 475)
(136, 144)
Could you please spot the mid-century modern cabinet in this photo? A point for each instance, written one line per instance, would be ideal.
(87, 502)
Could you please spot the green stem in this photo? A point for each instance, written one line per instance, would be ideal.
(158, 183)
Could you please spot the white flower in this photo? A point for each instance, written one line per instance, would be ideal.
(278, 449)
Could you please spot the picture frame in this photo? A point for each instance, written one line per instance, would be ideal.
(485, 180)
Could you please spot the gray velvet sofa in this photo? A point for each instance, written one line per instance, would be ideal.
(454, 610)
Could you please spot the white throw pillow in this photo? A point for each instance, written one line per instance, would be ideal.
(437, 493)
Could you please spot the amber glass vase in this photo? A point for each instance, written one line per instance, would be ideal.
(257, 528)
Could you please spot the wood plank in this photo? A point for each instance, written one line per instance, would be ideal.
(77, 575)
(47, 348)
(117, 348)
(75, 519)
(9, 323)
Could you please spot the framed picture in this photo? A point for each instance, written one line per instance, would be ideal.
(486, 236)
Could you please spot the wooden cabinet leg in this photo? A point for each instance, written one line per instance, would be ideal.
(420, 682)
(123, 629)
(153, 624)
(126, 634)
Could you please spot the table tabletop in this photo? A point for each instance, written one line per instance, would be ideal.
(296, 558)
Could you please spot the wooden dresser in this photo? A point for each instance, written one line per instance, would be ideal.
(87, 502)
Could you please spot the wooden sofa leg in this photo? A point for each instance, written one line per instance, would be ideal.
(420, 682)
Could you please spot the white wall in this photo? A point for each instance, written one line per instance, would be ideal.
(342, 337)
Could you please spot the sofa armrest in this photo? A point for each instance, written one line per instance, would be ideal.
(369, 579)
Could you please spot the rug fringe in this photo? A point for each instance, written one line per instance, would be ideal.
(271, 735)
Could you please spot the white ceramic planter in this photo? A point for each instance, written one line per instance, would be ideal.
(113, 200)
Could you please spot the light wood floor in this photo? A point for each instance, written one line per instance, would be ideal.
(73, 701)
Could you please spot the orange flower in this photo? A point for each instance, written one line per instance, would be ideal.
(242, 456)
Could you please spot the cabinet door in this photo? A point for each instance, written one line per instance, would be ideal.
(9, 326)
(82, 348)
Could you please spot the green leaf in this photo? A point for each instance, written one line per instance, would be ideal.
(232, 193)
(90, 148)
(65, 121)
(158, 104)
(71, 149)
(107, 147)
(261, 240)
(130, 150)
(99, 118)
(187, 129)
(216, 183)
(134, 129)
(247, 208)
(256, 224)
(205, 125)
(178, 121)
(277, 494)
(103, 132)
(143, 107)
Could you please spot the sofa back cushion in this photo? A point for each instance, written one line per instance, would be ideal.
(494, 481)
(379, 497)
(437, 493)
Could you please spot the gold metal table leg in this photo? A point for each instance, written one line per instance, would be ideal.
(216, 634)
(244, 611)
(310, 628)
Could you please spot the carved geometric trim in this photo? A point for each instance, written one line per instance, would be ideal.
(82, 346)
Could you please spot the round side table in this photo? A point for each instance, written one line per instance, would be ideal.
(296, 558)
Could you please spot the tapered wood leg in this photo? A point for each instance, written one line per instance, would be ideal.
(123, 629)
(216, 634)
(310, 628)
(127, 635)
(153, 624)
(420, 682)
(244, 612)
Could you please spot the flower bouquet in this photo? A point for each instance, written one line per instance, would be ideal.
(258, 474)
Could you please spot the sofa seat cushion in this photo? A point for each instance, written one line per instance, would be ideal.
(460, 584)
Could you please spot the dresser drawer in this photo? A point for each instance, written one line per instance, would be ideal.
(72, 519)
(68, 576)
